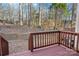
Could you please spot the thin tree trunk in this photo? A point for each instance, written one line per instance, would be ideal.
(73, 14)
(55, 19)
(30, 14)
(39, 15)
(22, 13)
(19, 13)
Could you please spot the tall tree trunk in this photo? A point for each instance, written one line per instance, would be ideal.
(22, 14)
(55, 19)
(39, 14)
(27, 16)
(19, 12)
(74, 6)
(30, 14)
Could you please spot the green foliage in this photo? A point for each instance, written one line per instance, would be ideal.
(61, 6)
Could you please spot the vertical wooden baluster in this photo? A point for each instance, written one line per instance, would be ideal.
(43, 38)
(53, 37)
(38, 40)
(46, 39)
(49, 38)
(74, 41)
(59, 38)
(35, 40)
(62, 38)
(68, 40)
(65, 39)
(77, 43)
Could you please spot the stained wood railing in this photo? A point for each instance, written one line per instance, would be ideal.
(70, 40)
(4, 49)
(43, 39)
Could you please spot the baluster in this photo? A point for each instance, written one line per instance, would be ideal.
(46, 39)
(49, 38)
(74, 41)
(38, 40)
(43, 39)
(77, 43)
(63, 38)
(53, 37)
(35, 41)
(68, 40)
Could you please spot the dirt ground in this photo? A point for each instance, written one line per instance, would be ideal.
(17, 42)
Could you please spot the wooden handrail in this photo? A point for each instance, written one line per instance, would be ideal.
(4, 48)
(43, 39)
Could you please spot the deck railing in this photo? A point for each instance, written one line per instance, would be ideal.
(4, 49)
(43, 39)
(70, 40)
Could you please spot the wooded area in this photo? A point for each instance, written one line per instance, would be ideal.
(56, 16)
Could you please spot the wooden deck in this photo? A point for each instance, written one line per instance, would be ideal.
(53, 43)
(53, 50)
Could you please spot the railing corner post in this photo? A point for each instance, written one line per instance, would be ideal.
(31, 43)
(59, 37)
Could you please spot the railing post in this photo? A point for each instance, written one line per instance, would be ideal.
(31, 42)
(59, 37)
(4, 48)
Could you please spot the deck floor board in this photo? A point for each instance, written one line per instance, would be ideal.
(53, 50)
